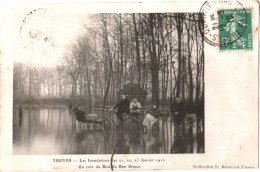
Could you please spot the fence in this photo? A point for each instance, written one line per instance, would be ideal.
(164, 110)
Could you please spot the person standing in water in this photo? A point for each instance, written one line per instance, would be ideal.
(177, 111)
(151, 117)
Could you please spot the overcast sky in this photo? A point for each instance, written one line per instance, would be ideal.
(45, 36)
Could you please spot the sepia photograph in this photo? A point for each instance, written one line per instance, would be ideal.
(129, 86)
(123, 83)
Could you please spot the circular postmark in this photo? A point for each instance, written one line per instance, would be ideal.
(225, 21)
(36, 29)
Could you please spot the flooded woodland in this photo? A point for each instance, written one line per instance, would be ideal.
(155, 58)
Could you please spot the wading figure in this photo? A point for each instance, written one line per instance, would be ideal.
(177, 111)
(122, 107)
(151, 117)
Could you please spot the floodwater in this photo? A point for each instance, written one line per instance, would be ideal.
(54, 130)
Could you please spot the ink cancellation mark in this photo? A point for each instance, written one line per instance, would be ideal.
(36, 29)
(212, 10)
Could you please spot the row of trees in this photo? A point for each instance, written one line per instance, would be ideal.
(162, 53)
(39, 82)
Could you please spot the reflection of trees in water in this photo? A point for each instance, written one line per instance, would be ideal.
(151, 143)
(178, 143)
(90, 142)
(133, 137)
(121, 146)
(179, 138)
(112, 140)
(53, 124)
(55, 129)
(121, 140)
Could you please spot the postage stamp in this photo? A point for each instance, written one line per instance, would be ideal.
(227, 25)
(235, 29)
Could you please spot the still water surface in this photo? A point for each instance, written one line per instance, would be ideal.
(54, 130)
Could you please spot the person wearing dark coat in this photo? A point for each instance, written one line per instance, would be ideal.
(122, 107)
(177, 111)
(80, 114)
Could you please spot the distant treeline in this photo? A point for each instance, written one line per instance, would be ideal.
(42, 101)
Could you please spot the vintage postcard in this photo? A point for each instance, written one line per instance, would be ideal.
(100, 86)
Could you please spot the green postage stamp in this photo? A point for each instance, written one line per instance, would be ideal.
(235, 29)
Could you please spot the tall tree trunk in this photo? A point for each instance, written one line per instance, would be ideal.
(138, 58)
(108, 83)
(197, 64)
(89, 93)
(144, 81)
(107, 48)
(154, 63)
(183, 75)
(201, 26)
(179, 21)
(72, 92)
(121, 53)
(167, 79)
(189, 62)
